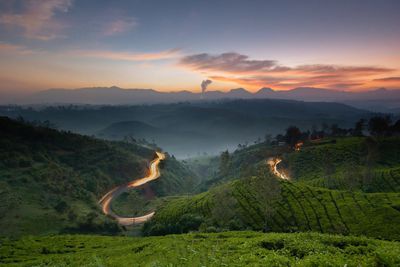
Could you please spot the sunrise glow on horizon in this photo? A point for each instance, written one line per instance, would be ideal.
(341, 45)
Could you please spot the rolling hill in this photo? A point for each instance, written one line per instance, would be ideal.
(251, 198)
(367, 164)
(299, 209)
(51, 180)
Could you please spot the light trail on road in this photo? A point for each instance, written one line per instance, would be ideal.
(105, 201)
(273, 164)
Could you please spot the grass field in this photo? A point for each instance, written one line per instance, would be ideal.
(219, 249)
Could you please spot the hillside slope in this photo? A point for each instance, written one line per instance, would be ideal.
(298, 208)
(367, 164)
(250, 197)
(51, 180)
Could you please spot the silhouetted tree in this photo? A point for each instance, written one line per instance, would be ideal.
(325, 127)
(268, 138)
(378, 126)
(280, 138)
(359, 128)
(293, 136)
(334, 129)
(395, 128)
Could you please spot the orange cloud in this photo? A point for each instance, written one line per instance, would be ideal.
(37, 18)
(237, 68)
(388, 79)
(112, 55)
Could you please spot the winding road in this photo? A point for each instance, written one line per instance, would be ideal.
(105, 201)
(273, 164)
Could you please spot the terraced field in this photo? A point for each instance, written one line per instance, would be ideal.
(370, 165)
(300, 208)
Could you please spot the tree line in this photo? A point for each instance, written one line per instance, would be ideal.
(377, 126)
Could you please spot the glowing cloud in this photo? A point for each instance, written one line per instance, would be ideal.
(237, 68)
(388, 79)
(36, 19)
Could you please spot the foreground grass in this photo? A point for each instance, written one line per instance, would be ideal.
(218, 249)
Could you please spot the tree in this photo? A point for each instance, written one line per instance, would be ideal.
(325, 127)
(335, 130)
(372, 156)
(189, 222)
(329, 169)
(280, 138)
(267, 189)
(359, 128)
(378, 126)
(268, 139)
(61, 206)
(224, 208)
(292, 136)
(395, 129)
(224, 163)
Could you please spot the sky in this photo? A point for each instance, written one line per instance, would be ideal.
(173, 45)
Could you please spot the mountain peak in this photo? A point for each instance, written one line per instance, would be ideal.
(265, 90)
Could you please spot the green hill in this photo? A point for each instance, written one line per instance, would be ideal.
(222, 249)
(243, 162)
(51, 180)
(367, 164)
(242, 205)
(251, 198)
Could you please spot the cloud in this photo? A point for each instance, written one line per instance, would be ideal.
(15, 49)
(333, 69)
(240, 69)
(128, 56)
(388, 79)
(227, 62)
(36, 18)
(119, 26)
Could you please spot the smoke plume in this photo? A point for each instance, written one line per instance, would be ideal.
(204, 85)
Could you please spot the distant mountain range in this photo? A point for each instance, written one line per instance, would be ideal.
(188, 128)
(377, 100)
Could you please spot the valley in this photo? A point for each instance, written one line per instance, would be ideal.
(341, 187)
